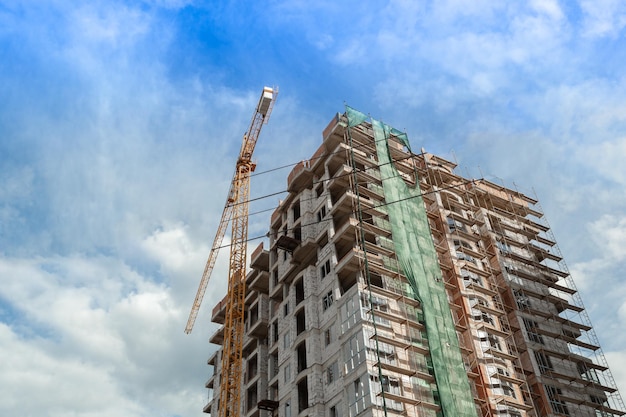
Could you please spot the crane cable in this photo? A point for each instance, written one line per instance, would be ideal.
(452, 187)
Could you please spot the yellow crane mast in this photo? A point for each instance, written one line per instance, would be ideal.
(235, 209)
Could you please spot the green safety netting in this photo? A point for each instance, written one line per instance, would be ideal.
(417, 257)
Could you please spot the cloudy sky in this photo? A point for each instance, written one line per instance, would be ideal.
(120, 122)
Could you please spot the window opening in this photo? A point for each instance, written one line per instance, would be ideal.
(296, 210)
(299, 291)
(325, 269)
(544, 362)
(558, 405)
(301, 354)
(300, 321)
(303, 395)
(531, 329)
(327, 300)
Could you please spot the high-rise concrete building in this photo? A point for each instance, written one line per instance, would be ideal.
(393, 286)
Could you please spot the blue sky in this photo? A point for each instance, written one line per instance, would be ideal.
(120, 123)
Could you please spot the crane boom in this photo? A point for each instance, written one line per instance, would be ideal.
(208, 269)
(235, 210)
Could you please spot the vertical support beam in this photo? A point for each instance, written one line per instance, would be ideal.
(232, 369)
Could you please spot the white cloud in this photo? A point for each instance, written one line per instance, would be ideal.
(95, 326)
(603, 17)
(607, 158)
(63, 385)
(609, 234)
(617, 364)
(549, 7)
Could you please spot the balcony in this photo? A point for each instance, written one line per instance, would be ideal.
(333, 133)
(260, 281)
(219, 311)
(207, 407)
(306, 252)
(542, 253)
(217, 338)
(260, 259)
(300, 177)
(210, 382)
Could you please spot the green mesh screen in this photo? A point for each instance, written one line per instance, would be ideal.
(418, 259)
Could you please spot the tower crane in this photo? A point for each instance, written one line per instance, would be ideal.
(235, 210)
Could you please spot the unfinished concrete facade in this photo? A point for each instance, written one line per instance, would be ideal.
(336, 325)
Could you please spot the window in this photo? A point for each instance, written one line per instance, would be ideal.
(544, 362)
(332, 373)
(376, 280)
(482, 316)
(334, 411)
(354, 353)
(273, 365)
(494, 342)
(328, 337)
(376, 304)
(507, 411)
(465, 257)
(303, 395)
(301, 356)
(252, 397)
(275, 331)
(252, 368)
(357, 395)
(299, 291)
(531, 330)
(286, 340)
(503, 246)
(287, 373)
(321, 214)
(489, 341)
(327, 300)
(475, 300)
(587, 373)
(253, 314)
(499, 385)
(521, 299)
(350, 313)
(598, 400)
(300, 321)
(386, 353)
(454, 225)
(325, 269)
(558, 405)
(508, 389)
(569, 333)
(286, 308)
(470, 278)
(478, 314)
(387, 384)
(459, 244)
(319, 190)
(287, 409)
(296, 210)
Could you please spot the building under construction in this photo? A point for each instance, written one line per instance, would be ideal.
(394, 287)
